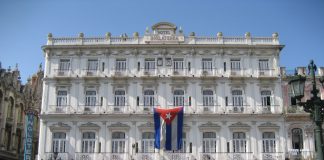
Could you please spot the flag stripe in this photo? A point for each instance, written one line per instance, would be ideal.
(168, 143)
(174, 137)
(180, 126)
(157, 126)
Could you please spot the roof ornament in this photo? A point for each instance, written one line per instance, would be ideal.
(180, 30)
(40, 67)
(147, 31)
(16, 67)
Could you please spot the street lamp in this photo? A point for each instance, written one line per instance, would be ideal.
(314, 106)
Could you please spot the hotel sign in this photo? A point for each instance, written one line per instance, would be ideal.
(28, 151)
(161, 38)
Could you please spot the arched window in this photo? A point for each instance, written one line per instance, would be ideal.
(239, 142)
(237, 100)
(178, 98)
(268, 142)
(147, 142)
(88, 142)
(119, 98)
(209, 142)
(297, 138)
(118, 142)
(208, 98)
(148, 98)
(10, 108)
(59, 142)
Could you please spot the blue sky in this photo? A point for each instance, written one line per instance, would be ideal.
(24, 25)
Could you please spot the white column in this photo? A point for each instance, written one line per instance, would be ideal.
(42, 139)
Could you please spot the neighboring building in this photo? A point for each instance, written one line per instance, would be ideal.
(99, 94)
(13, 102)
(300, 127)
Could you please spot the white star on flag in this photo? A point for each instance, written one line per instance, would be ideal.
(168, 115)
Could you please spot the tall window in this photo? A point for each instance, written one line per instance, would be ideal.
(297, 138)
(209, 142)
(207, 64)
(235, 64)
(268, 142)
(263, 64)
(149, 65)
(121, 65)
(59, 142)
(61, 98)
(178, 98)
(148, 142)
(118, 142)
(88, 142)
(92, 65)
(178, 64)
(64, 65)
(91, 97)
(208, 98)
(266, 100)
(119, 98)
(237, 100)
(148, 98)
(239, 142)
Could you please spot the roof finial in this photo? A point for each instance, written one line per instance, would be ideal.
(16, 67)
(40, 67)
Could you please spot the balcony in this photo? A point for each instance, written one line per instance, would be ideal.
(88, 109)
(117, 109)
(59, 156)
(116, 156)
(207, 72)
(238, 109)
(63, 72)
(273, 156)
(91, 73)
(300, 154)
(208, 109)
(266, 73)
(176, 156)
(149, 72)
(63, 109)
(178, 72)
(230, 156)
(295, 109)
(120, 72)
(147, 156)
(236, 73)
(89, 156)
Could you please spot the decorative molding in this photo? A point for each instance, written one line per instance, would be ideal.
(89, 126)
(239, 126)
(60, 127)
(268, 126)
(119, 126)
(209, 126)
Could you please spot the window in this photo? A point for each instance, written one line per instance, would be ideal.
(239, 142)
(148, 142)
(120, 65)
(263, 64)
(59, 142)
(92, 65)
(209, 142)
(178, 98)
(237, 100)
(235, 64)
(297, 138)
(118, 142)
(149, 65)
(208, 98)
(207, 64)
(91, 98)
(64, 65)
(119, 98)
(61, 98)
(268, 142)
(178, 64)
(88, 142)
(266, 100)
(148, 98)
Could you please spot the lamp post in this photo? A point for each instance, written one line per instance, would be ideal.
(314, 106)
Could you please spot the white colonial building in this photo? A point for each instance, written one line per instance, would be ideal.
(99, 93)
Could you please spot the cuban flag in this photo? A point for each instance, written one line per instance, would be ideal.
(168, 124)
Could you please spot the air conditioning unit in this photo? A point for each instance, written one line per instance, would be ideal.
(206, 109)
(116, 109)
(146, 73)
(261, 73)
(233, 73)
(118, 73)
(146, 109)
(87, 109)
(175, 72)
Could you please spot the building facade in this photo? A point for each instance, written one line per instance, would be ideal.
(99, 94)
(14, 100)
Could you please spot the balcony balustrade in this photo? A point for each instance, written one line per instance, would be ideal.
(273, 156)
(266, 73)
(64, 109)
(56, 156)
(300, 154)
(91, 73)
(63, 72)
(238, 109)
